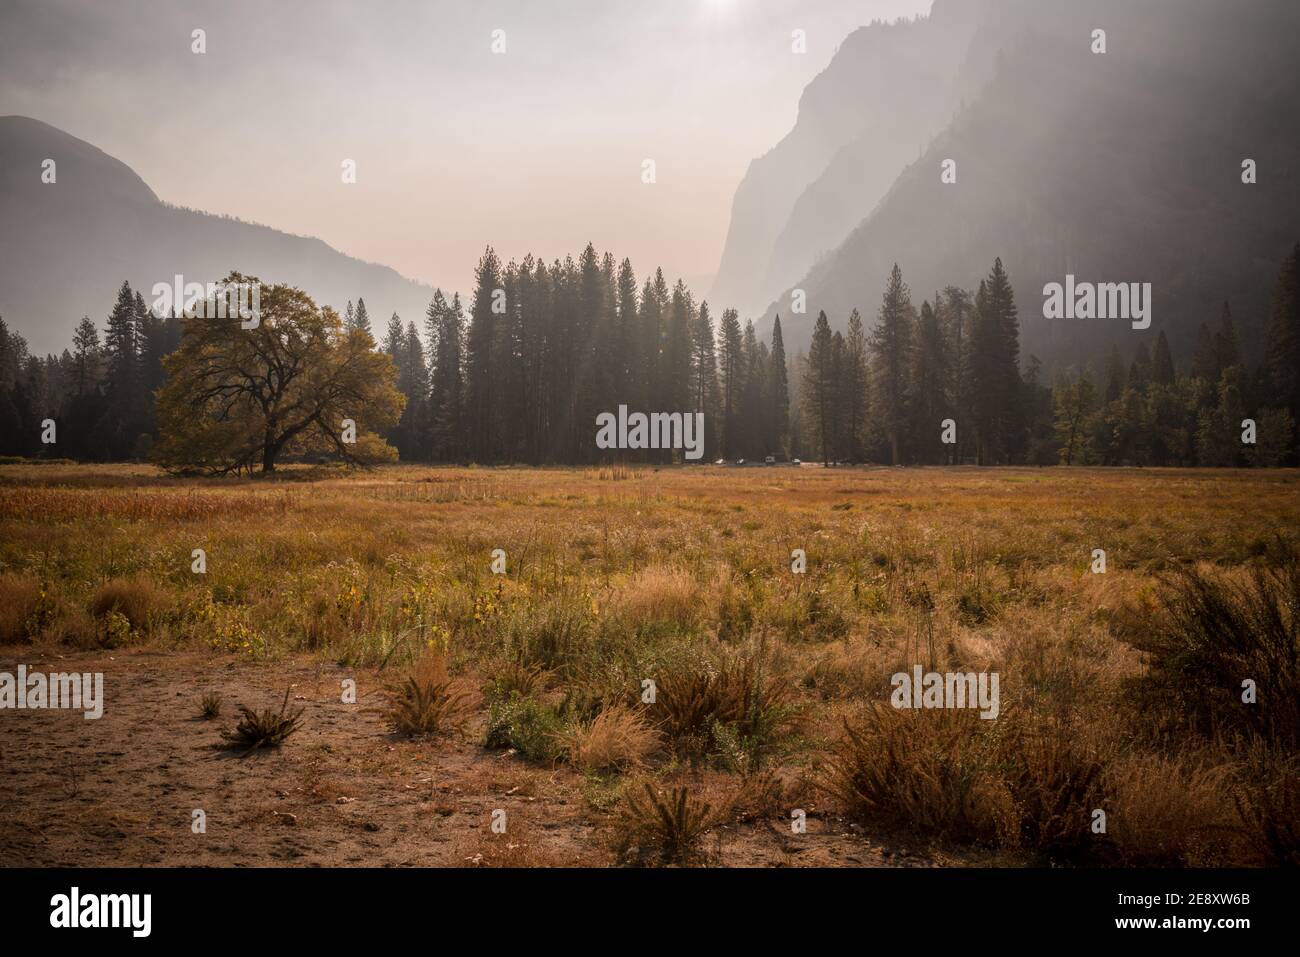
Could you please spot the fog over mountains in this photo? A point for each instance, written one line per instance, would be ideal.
(65, 248)
(890, 88)
(1123, 166)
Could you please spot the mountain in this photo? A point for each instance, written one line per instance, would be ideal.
(66, 247)
(888, 90)
(1123, 166)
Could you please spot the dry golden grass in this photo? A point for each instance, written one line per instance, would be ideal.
(659, 595)
(617, 738)
(137, 599)
(20, 597)
(617, 575)
(1173, 812)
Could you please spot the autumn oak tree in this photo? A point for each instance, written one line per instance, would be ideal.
(236, 398)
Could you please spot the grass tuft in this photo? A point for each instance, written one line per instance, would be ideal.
(264, 729)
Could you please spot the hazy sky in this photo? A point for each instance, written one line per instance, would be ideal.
(537, 149)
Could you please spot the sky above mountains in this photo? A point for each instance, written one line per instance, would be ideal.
(539, 148)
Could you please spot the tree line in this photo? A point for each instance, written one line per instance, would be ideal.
(543, 349)
(946, 384)
(520, 373)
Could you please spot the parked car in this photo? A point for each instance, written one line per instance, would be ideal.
(770, 460)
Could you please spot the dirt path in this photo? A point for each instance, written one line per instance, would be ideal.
(343, 791)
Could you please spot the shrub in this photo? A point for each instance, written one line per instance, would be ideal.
(527, 725)
(20, 599)
(135, 599)
(428, 703)
(516, 678)
(1055, 782)
(924, 770)
(743, 693)
(264, 729)
(72, 624)
(617, 738)
(1171, 811)
(210, 706)
(667, 827)
(1266, 791)
(977, 604)
(556, 636)
(812, 614)
(1206, 633)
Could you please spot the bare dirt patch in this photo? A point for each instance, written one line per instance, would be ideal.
(343, 791)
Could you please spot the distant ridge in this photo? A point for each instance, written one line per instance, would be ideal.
(66, 247)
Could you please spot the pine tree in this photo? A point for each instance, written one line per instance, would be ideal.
(1162, 362)
(837, 430)
(890, 346)
(361, 319)
(479, 372)
(510, 387)
(446, 387)
(854, 389)
(704, 375)
(930, 379)
(752, 402)
(395, 340)
(1282, 352)
(124, 389)
(589, 329)
(677, 350)
(1227, 351)
(731, 366)
(956, 317)
(1205, 360)
(982, 375)
(17, 423)
(86, 356)
(540, 350)
(649, 317)
(1218, 434)
(778, 392)
(655, 320)
(627, 357)
(121, 341)
(1141, 370)
(1116, 380)
(1010, 394)
(412, 382)
(819, 387)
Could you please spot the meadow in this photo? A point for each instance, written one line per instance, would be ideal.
(649, 681)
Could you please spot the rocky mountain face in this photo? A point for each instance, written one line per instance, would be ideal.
(1122, 166)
